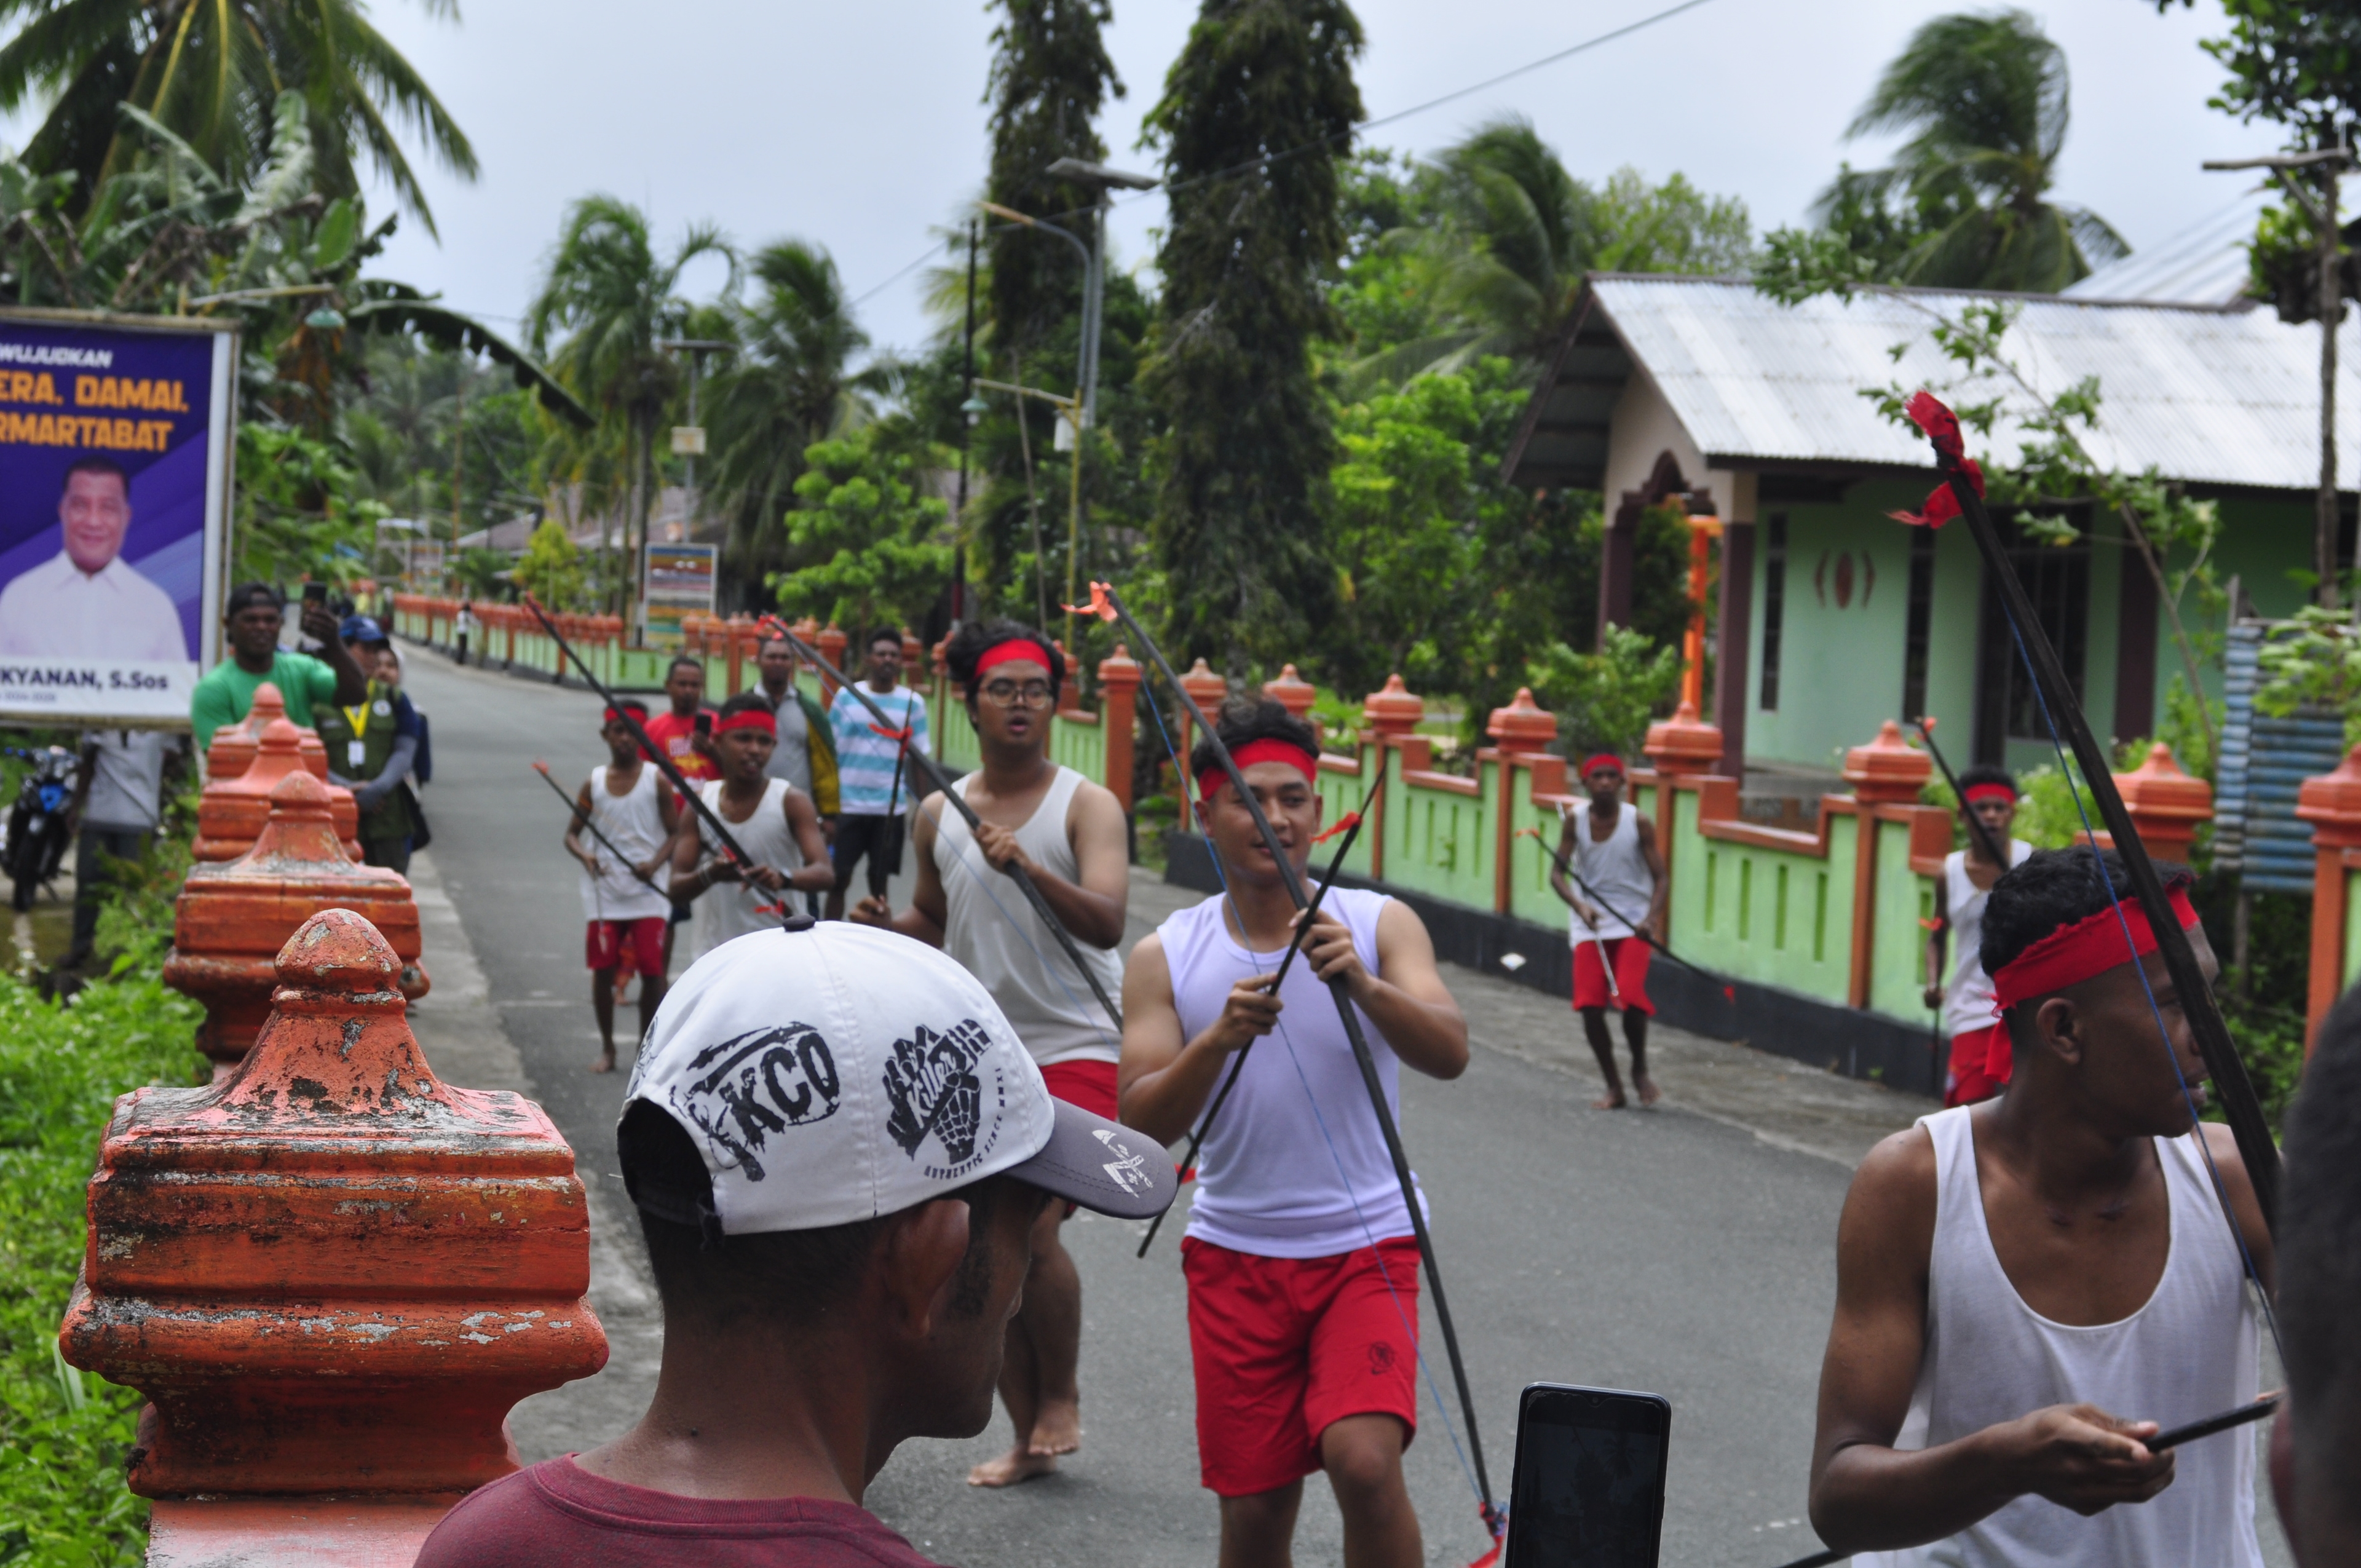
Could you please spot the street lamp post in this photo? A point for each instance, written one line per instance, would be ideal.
(688, 444)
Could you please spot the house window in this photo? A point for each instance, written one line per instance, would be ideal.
(1775, 604)
(1922, 614)
(2058, 580)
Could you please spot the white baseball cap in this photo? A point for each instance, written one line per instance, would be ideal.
(834, 1073)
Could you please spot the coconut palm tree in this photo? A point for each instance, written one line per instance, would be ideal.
(788, 386)
(1982, 99)
(607, 304)
(211, 71)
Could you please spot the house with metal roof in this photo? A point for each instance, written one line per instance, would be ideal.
(1708, 394)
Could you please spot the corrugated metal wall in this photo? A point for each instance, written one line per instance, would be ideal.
(2264, 763)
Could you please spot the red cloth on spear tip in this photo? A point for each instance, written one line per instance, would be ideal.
(1098, 605)
(1342, 824)
(1929, 413)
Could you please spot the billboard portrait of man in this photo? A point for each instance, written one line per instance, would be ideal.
(86, 601)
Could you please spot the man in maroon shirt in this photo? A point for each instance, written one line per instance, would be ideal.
(838, 1146)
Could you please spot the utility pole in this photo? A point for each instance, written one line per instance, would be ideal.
(458, 470)
(689, 440)
(2330, 162)
(969, 407)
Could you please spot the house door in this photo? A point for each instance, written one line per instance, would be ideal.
(2057, 579)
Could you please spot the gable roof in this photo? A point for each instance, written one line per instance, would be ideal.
(2205, 395)
(2205, 264)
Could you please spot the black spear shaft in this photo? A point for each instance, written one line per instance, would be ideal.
(655, 754)
(1295, 945)
(942, 783)
(2256, 1146)
(1993, 852)
(1637, 929)
(583, 817)
(1293, 881)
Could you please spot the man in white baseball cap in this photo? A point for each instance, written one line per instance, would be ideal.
(838, 1146)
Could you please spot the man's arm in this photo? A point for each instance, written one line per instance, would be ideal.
(397, 763)
(352, 686)
(1653, 855)
(1093, 907)
(1559, 882)
(208, 711)
(2224, 1146)
(928, 914)
(1866, 1494)
(1411, 1005)
(574, 844)
(1163, 1080)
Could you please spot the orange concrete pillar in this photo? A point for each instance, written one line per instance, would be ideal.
(914, 658)
(2331, 804)
(1391, 714)
(1070, 694)
(1118, 700)
(2166, 804)
(1292, 692)
(1683, 746)
(1208, 691)
(1887, 771)
(231, 751)
(331, 1275)
(1521, 733)
(231, 811)
(232, 917)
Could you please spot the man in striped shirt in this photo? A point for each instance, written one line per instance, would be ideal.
(873, 782)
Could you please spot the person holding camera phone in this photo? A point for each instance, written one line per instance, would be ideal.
(1301, 1259)
(2028, 1288)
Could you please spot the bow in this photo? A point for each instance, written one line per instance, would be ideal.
(775, 627)
(655, 754)
(1109, 605)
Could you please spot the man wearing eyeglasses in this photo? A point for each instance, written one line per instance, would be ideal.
(1068, 836)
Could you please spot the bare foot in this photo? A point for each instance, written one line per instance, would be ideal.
(1056, 1429)
(1011, 1469)
(1649, 1092)
(1612, 1101)
(606, 1062)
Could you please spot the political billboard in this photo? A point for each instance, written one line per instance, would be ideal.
(115, 474)
(679, 583)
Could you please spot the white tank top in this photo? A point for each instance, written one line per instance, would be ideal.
(636, 826)
(1268, 1178)
(734, 908)
(1616, 871)
(1968, 996)
(994, 932)
(2188, 1352)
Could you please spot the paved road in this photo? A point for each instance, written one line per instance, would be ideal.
(1686, 1250)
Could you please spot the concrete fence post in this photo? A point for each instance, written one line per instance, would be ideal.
(1119, 677)
(1390, 715)
(2331, 804)
(1888, 772)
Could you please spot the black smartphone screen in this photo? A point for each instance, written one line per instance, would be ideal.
(1588, 1490)
(315, 593)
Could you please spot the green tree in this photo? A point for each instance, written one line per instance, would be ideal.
(870, 546)
(551, 569)
(1252, 115)
(211, 71)
(789, 384)
(606, 303)
(1982, 99)
(1051, 76)
(1604, 700)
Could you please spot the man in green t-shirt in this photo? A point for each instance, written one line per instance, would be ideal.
(251, 619)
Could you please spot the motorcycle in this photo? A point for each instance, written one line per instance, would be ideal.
(37, 829)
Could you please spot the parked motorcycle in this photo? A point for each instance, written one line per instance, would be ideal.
(37, 829)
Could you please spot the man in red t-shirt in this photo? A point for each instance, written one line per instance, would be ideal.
(838, 1214)
(675, 730)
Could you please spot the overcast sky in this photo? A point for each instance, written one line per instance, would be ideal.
(863, 127)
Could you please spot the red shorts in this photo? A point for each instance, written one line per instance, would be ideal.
(1629, 956)
(1980, 1059)
(613, 943)
(1089, 1084)
(1285, 1347)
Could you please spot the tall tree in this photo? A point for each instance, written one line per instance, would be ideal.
(1982, 99)
(1255, 116)
(606, 303)
(1051, 76)
(211, 71)
(789, 386)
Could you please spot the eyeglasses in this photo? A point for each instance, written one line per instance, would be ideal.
(1009, 694)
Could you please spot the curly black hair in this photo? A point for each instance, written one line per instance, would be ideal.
(2053, 889)
(977, 638)
(1245, 719)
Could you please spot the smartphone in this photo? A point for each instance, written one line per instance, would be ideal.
(703, 722)
(315, 593)
(1589, 1489)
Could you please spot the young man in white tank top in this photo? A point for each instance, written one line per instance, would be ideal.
(1069, 836)
(2028, 1288)
(773, 822)
(1613, 846)
(640, 816)
(1301, 1261)
(1981, 1057)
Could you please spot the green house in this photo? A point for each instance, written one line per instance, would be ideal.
(1832, 616)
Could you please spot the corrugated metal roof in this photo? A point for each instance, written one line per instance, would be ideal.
(2205, 395)
(2205, 264)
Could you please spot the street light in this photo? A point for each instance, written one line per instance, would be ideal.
(1077, 171)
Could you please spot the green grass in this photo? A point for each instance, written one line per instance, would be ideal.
(65, 1435)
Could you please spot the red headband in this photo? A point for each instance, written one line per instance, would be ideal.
(1976, 792)
(1015, 648)
(749, 718)
(615, 714)
(2090, 946)
(1603, 759)
(1253, 751)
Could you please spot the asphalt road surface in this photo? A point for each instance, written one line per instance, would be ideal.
(1686, 1250)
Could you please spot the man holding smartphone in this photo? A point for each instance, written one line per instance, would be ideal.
(2029, 1287)
(1302, 1263)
